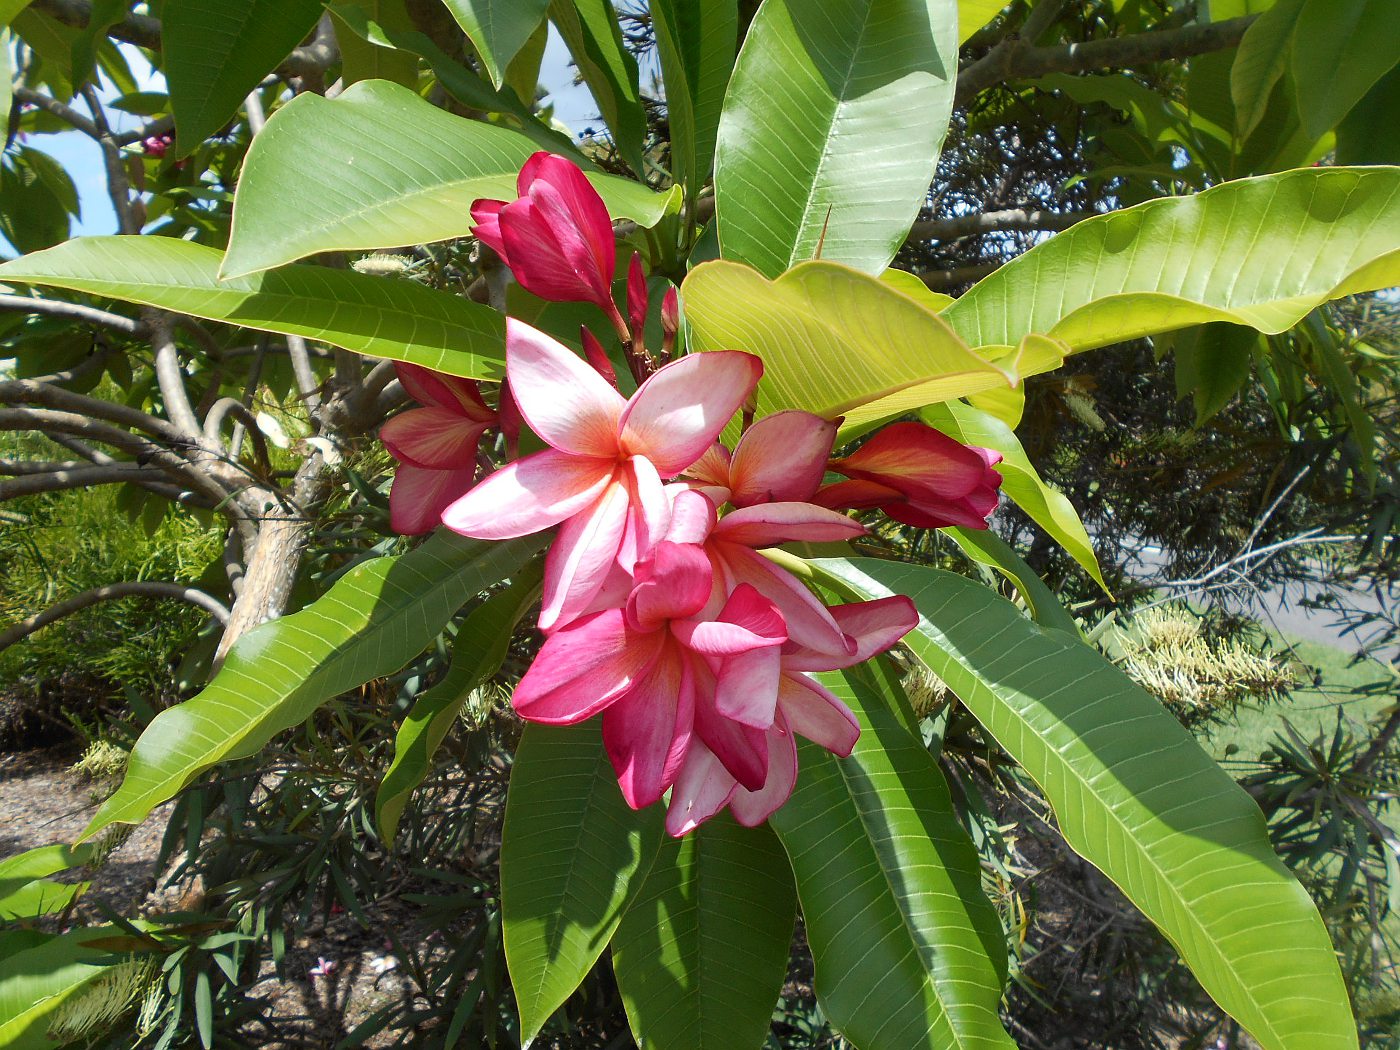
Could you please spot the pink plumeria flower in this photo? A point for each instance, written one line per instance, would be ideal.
(647, 668)
(323, 968)
(918, 476)
(556, 236)
(780, 459)
(602, 473)
(435, 446)
(706, 784)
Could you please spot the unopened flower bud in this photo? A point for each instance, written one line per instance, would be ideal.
(670, 320)
(597, 356)
(637, 301)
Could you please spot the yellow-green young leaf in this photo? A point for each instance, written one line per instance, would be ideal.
(701, 953)
(477, 652)
(1047, 507)
(909, 952)
(1137, 797)
(1261, 252)
(498, 29)
(838, 342)
(216, 51)
(10, 8)
(974, 14)
(26, 894)
(831, 129)
(573, 858)
(912, 287)
(379, 167)
(400, 320)
(376, 618)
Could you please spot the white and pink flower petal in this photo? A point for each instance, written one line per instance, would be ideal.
(529, 495)
(677, 414)
(647, 731)
(583, 668)
(817, 713)
(567, 403)
(781, 458)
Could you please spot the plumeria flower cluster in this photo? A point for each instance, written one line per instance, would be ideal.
(660, 613)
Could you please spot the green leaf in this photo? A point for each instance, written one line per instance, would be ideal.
(362, 59)
(103, 15)
(1046, 506)
(25, 893)
(477, 654)
(39, 897)
(1137, 797)
(33, 211)
(216, 51)
(498, 29)
(590, 29)
(573, 857)
(376, 618)
(838, 342)
(1347, 46)
(38, 974)
(696, 41)
(379, 167)
(701, 953)
(985, 547)
(974, 14)
(1261, 252)
(908, 950)
(831, 129)
(400, 320)
(1212, 363)
(1370, 134)
(10, 9)
(1261, 62)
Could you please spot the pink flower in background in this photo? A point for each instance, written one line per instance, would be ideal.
(556, 236)
(435, 446)
(601, 475)
(323, 968)
(706, 782)
(780, 459)
(918, 476)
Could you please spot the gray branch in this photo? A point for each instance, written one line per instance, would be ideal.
(133, 588)
(75, 311)
(957, 226)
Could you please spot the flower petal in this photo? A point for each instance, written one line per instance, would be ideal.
(568, 404)
(435, 438)
(587, 214)
(781, 458)
(741, 748)
(818, 714)
(746, 686)
(692, 516)
(646, 732)
(872, 626)
(581, 557)
(917, 460)
(529, 495)
(858, 494)
(486, 225)
(418, 497)
(649, 518)
(583, 668)
(679, 412)
(702, 788)
(808, 622)
(752, 808)
(672, 583)
(770, 524)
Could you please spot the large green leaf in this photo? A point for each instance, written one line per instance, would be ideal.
(591, 30)
(1261, 252)
(1346, 46)
(573, 857)
(1212, 363)
(1136, 796)
(909, 952)
(1370, 134)
(477, 653)
(701, 953)
(1046, 506)
(39, 973)
(1261, 62)
(831, 129)
(379, 167)
(216, 51)
(838, 342)
(363, 59)
(376, 618)
(25, 893)
(401, 320)
(498, 29)
(696, 42)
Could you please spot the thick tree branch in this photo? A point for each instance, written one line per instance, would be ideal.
(940, 279)
(71, 477)
(951, 229)
(1016, 58)
(170, 377)
(75, 311)
(133, 588)
(144, 31)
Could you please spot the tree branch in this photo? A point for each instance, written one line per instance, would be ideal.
(74, 311)
(144, 31)
(132, 588)
(71, 477)
(972, 225)
(938, 279)
(1016, 58)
